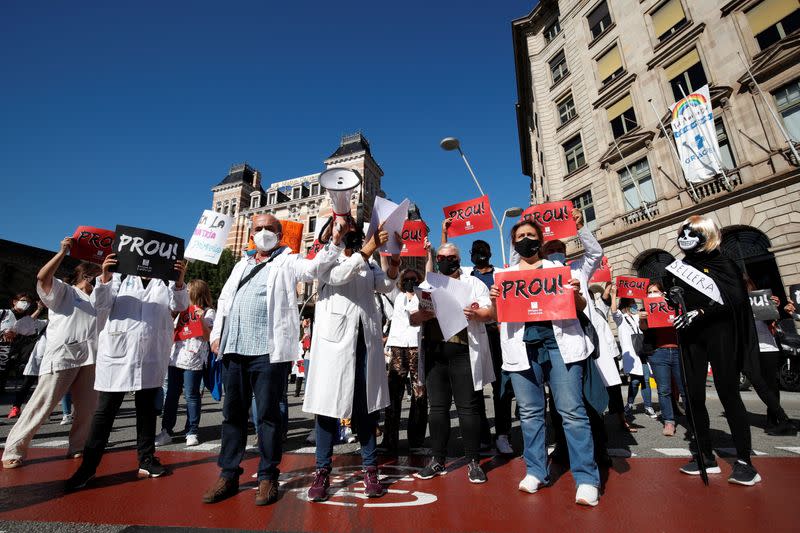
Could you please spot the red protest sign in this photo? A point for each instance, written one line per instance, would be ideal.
(316, 246)
(659, 313)
(555, 219)
(92, 244)
(602, 274)
(190, 324)
(413, 239)
(630, 287)
(534, 295)
(468, 217)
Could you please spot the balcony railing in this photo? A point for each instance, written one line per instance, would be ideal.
(717, 186)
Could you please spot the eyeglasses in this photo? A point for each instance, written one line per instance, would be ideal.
(446, 257)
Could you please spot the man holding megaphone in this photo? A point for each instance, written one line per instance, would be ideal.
(256, 331)
(347, 377)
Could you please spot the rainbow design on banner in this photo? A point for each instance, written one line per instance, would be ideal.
(694, 99)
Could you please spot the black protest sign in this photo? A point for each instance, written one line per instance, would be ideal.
(146, 253)
(763, 306)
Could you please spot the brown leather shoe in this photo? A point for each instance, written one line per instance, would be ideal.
(223, 488)
(267, 492)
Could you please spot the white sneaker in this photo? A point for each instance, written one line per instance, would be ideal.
(192, 440)
(529, 484)
(503, 446)
(163, 438)
(348, 436)
(66, 420)
(587, 495)
(649, 411)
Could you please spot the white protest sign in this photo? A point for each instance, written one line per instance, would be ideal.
(460, 290)
(209, 237)
(450, 297)
(696, 136)
(392, 216)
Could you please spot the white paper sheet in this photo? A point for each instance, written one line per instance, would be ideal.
(449, 313)
(392, 216)
(459, 290)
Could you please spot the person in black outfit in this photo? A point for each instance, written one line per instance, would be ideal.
(716, 327)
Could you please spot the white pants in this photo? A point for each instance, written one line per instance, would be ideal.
(48, 393)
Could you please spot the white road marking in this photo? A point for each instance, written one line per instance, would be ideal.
(674, 452)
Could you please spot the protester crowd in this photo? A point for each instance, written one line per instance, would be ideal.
(373, 339)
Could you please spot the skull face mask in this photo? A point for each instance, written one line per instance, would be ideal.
(690, 240)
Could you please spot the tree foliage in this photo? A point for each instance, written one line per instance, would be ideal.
(214, 275)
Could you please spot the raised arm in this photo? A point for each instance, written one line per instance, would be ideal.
(592, 251)
(310, 269)
(45, 275)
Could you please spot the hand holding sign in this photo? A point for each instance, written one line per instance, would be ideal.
(631, 287)
(412, 239)
(534, 295)
(468, 217)
(555, 219)
(764, 308)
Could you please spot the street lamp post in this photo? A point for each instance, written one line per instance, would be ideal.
(511, 212)
(451, 143)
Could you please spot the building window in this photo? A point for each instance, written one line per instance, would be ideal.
(686, 73)
(255, 201)
(772, 20)
(225, 208)
(566, 110)
(788, 100)
(622, 117)
(219, 207)
(725, 152)
(585, 203)
(312, 224)
(558, 66)
(609, 65)
(639, 175)
(272, 198)
(668, 19)
(599, 20)
(233, 207)
(296, 193)
(573, 153)
(314, 189)
(551, 31)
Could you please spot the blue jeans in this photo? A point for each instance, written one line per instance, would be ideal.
(666, 366)
(363, 421)
(189, 381)
(566, 386)
(66, 404)
(284, 407)
(243, 377)
(644, 383)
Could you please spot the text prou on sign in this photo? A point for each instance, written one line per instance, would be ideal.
(535, 295)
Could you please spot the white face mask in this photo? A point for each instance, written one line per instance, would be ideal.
(22, 306)
(265, 240)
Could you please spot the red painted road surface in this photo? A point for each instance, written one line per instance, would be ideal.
(639, 494)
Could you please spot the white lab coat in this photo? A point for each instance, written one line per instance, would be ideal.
(572, 341)
(134, 346)
(627, 325)
(192, 353)
(73, 328)
(34, 364)
(346, 297)
(606, 362)
(284, 272)
(402, 334)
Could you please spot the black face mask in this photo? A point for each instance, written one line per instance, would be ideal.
(448, 266)
(409, 284)
(353, 240)
(480, 259)
(527, 247)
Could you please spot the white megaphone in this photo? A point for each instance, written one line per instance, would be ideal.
(339, 182)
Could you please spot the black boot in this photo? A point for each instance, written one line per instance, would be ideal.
(782, 427)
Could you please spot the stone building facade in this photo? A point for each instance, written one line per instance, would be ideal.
(595, 79)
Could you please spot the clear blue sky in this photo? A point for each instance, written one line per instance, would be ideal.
(129, 112)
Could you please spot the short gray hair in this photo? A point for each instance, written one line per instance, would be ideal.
(450, 246)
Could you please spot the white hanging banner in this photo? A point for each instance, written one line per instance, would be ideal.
(209, 237)
(696, 136)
